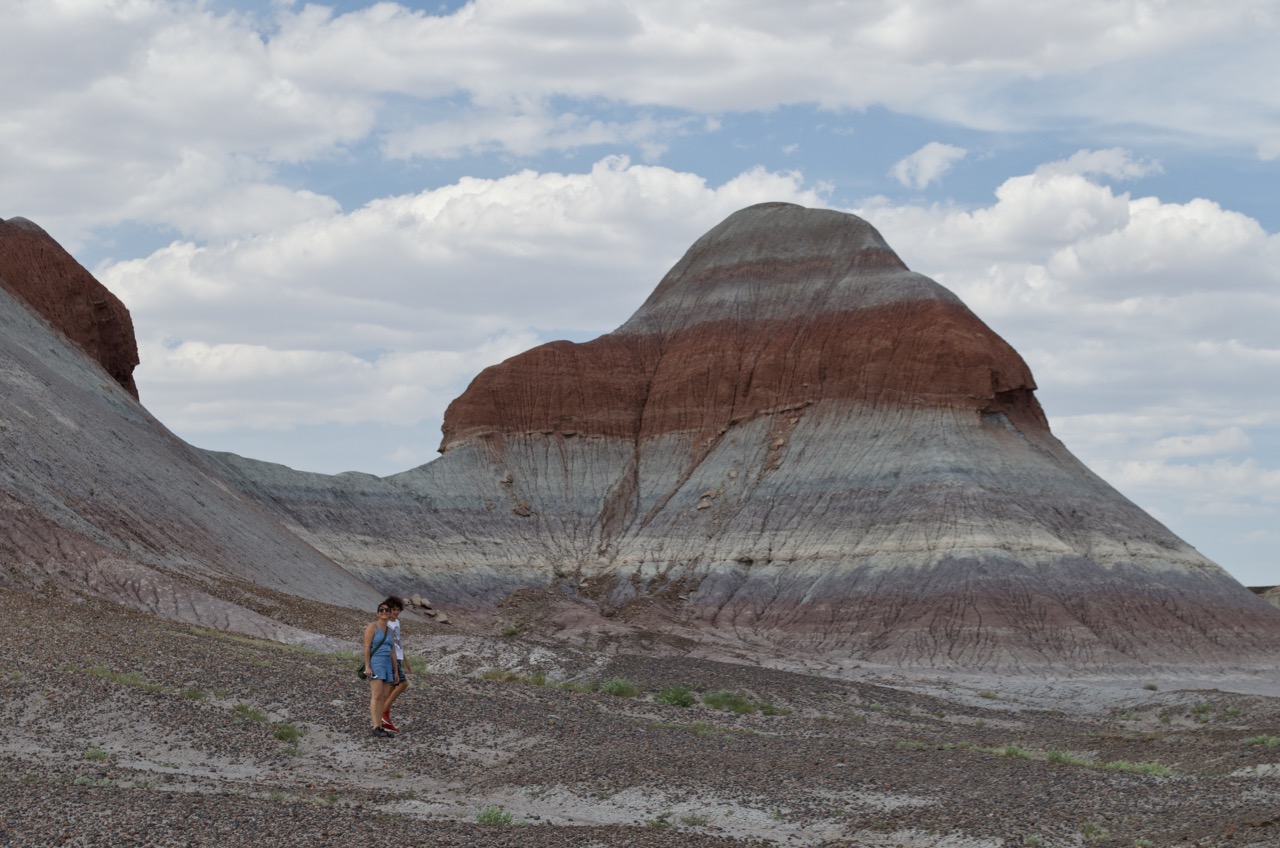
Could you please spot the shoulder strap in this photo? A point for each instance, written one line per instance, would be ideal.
(375, 648)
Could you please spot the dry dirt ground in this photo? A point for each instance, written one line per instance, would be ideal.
(120, 729)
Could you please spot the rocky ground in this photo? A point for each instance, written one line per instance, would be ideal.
(120, 729)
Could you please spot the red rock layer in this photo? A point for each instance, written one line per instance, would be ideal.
(812, 305)
(35, 269)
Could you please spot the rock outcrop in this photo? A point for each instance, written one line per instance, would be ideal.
(97, 496)
(35, 269)
(797, 441)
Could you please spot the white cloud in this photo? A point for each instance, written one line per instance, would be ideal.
(150, 103)
(384, 313)
(1230, 440)
(202, 388)
(1114, 162)
(927, 165)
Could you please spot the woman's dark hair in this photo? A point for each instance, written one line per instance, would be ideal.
(394, 602)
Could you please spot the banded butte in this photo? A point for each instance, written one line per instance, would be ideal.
(795, 441)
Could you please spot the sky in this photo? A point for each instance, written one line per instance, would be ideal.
(325, 219)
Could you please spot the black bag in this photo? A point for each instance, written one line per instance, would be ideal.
(360, 667)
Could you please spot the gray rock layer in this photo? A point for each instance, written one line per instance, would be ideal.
(97, 496)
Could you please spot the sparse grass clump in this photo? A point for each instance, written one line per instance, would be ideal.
(287, 732)
(769, 708)
(1094, 832)
(191, 693)
(733, 702)
(503, 675)
(245, 712)
(95, 753)
(988, 694)
(1264, 739)
(619, 687)
(129, 678)
(910, 745)
(579, 685)
(1139, 768)
(677, 696)
(694, 820)
(494, 814)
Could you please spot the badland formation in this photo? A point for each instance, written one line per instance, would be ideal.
(790, 558)
(795, 443)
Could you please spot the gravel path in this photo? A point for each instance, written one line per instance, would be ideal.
(125, 730)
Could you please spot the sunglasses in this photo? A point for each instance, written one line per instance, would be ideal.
(384, 609)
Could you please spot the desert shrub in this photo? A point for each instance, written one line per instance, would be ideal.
(733, 702)
(677, 696)
(95, 754)
(693, 820)
(769, 708)
(493, 814)
(620, 687)
(287, 732)
(988, 694)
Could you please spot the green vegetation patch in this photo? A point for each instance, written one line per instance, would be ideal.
(1139, 768)
(287, 732)
(677, 696)
(732, 702)
(245, 712)
(619, 687)
(494, 814)
(128, 678)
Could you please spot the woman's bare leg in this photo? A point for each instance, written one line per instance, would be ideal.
(377, 697)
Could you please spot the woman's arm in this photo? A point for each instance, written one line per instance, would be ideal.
(368, 643)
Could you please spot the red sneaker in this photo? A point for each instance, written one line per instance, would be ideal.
(389, 727)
